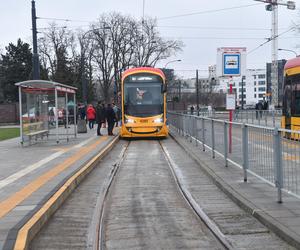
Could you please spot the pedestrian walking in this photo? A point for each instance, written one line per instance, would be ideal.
(100, 117)
(91, 116)
(111, 119)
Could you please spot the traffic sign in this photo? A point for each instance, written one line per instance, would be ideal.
(230, 101)
(231, 64)
(231, 61)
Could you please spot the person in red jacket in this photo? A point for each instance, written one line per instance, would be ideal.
(91, 116)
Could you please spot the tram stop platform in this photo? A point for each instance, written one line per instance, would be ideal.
(31, 175)
(255, 196)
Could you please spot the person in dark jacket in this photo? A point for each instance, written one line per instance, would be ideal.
(259, 108)
(100, 116)
(111, 119)
(81, 111)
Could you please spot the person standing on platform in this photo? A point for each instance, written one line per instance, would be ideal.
(100, 117)
(192, 110)
(117, 113)
(81, 111)
(111, 119)
(91, 116)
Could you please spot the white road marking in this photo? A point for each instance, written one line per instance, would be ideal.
(14, 177)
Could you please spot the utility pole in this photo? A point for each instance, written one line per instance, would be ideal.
(35, 56)
(274, 72)
(197, 90)
(272, 5)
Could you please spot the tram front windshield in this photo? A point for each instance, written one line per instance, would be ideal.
(143, 95)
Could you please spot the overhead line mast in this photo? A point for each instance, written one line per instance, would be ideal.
(272, 5)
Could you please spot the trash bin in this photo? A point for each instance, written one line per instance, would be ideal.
(81, 126)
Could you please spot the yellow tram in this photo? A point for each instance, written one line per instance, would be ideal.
(143, 103)
(291, 97)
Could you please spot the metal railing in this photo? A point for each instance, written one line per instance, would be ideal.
(268, 153)
(258, 117)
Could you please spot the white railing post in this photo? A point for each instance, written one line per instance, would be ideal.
(225, 144)
(278, 163)
(245, 150)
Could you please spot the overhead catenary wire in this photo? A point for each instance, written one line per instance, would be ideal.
(210, 28)
(224, 38)
(63, 19)
(208, 11)
(217, 38)
(161, 18)
(270, 39)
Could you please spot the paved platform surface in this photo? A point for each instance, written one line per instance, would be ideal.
(255, 196)
(30, 175)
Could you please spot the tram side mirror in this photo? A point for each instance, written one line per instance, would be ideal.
(163, 88)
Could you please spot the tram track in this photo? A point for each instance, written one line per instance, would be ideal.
(100, 236)
(192, 203)
(185, 195)
(142, 199)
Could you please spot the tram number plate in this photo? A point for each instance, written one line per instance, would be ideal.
(144, 121)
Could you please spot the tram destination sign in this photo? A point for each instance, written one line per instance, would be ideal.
(143, 78)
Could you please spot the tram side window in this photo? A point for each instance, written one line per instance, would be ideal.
(287, 100)
(297, 102)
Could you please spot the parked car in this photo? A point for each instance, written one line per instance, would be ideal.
(249, 106)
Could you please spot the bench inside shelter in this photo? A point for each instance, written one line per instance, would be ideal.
(35, 130)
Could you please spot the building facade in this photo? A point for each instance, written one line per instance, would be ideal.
(253, 87)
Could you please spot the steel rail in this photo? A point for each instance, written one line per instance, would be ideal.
(187, 196)
(99, 243)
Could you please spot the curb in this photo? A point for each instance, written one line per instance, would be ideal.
(280, 230)
(37, 221)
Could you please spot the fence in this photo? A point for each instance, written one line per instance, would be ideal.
(9, 113)
(265, 152)
(259, 117)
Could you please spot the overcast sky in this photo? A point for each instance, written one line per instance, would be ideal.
(201, 33)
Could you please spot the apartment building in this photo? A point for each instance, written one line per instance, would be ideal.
(254, 87)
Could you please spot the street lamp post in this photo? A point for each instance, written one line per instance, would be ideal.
(289, 51)
(179, 60)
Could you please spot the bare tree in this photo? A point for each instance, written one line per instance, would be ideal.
(57, 49)
(150, 47)
(111, 45)
(127, 43)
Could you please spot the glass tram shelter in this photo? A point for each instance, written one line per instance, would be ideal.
(47, 110)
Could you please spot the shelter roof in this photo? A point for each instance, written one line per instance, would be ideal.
(46, 85)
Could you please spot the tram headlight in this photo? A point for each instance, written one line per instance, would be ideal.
(158, 120)
(129, 121)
